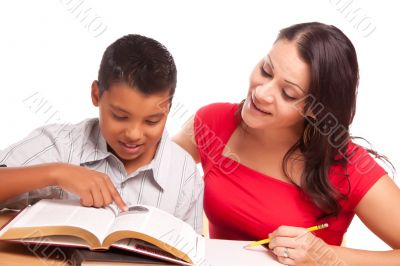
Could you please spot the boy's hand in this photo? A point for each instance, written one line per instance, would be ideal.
(94, 188)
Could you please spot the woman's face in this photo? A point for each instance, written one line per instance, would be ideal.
(277, 84)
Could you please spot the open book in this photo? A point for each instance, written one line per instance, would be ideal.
(143, 229)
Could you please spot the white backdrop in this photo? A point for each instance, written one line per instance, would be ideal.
(50, 52)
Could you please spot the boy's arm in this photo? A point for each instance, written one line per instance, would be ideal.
(198, 203)
(44, 158)
(93, 188)
(18, 180)
(193, 193)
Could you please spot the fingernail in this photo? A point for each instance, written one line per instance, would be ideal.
(125, 208)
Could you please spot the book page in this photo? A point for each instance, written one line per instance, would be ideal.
(65, 241)
(66, 213)
(144, 248)
(162, 226)
(114, 257)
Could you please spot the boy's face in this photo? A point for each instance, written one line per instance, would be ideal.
(131, 122)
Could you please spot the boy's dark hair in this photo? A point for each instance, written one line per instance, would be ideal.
(139, 61)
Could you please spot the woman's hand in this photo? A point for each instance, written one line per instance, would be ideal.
(94, 188)
(297, 246)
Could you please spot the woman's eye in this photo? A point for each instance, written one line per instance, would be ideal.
(287, 96)
(264, 73)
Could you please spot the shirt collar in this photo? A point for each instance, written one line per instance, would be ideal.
(95, 149)
(95, 146)
(159, 167)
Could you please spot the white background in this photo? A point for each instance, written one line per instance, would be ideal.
(50, 52)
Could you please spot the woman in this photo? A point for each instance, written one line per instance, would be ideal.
(283, 160)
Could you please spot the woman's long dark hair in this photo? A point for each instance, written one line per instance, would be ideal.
(331, 99)
(332, 60)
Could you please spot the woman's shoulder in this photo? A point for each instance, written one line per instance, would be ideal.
(355, 160)
(219, 108)
(359, 159)
(217, 112)
(216, 119)
(361, 173)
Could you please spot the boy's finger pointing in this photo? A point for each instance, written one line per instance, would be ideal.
(116, 197)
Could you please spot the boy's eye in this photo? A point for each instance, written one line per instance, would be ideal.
(152, 122)
(119, 117)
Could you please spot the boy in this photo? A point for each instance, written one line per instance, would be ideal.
(124, 156)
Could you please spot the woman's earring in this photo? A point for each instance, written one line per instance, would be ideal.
(308, 133)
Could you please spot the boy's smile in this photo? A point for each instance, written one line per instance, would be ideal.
(131, 148)
(131, 122)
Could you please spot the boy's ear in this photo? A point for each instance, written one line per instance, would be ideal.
(95, 93)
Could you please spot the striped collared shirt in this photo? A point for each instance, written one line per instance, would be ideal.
(170, 181)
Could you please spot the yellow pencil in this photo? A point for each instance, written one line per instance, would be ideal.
(265, 241)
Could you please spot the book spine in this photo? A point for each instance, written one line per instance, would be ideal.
(76, 259)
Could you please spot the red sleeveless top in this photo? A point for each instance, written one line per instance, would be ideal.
(244, 204)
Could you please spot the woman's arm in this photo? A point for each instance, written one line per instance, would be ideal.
(185, 139)
(379, 209)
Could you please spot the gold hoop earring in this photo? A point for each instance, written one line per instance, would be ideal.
(308, 133)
